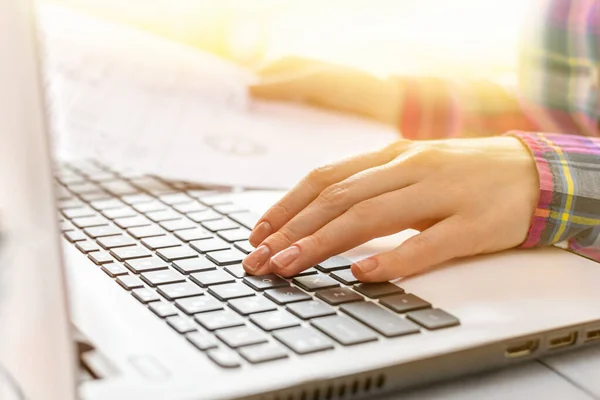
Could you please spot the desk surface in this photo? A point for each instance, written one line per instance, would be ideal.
(573, 376)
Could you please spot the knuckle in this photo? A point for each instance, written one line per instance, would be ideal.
(334, 196)
(424, 155)
(281, 238)
(320, 176)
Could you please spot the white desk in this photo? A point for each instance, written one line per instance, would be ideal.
(571, 376)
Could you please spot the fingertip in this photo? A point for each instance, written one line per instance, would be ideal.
(260, 232)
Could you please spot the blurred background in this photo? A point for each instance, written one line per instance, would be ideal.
(475, 38)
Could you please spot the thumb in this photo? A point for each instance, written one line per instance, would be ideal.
(441, 242)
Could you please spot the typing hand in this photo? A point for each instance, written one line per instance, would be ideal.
(466, 196)
(329, 86)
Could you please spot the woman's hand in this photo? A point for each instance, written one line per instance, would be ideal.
(329, 86)
(466, 196)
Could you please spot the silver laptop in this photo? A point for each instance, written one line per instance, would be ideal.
(137, 291)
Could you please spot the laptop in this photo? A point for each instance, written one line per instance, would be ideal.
(116, 285)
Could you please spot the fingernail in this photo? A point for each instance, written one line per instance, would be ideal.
(367, 265)
(257, 258)
(261, 232)
(284, 258)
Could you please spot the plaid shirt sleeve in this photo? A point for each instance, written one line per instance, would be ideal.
(568, 208)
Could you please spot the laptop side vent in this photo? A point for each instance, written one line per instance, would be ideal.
(338, 389)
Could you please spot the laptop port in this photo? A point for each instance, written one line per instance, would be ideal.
(592, 334)
(521, 349)
(562, 341)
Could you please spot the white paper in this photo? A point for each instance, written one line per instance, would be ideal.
(177, 112)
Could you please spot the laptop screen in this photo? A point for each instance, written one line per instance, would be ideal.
(36, 353)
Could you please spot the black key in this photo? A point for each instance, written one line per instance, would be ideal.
(226, 257)
(197, 264)
(174, 198)
(113, 270)
(303, 339)
(181, 324)
(132, 222)
(379, 319)
(229, 208)
(208, 278)
(145, 295)
(263, 282)
(106, 204)
(345, 276)
(263, 352)
(178, 225)
(162, 309)
(176, 253)
(334, 263)
(102, 231)
(179, 290)
(163, 215)
(433, 318)
(244, 247)
(161, 277)
(241, 336)
(198, 304)
(187, 235)
(113, 242)
(344, 330)
(287, 295)
(202, 340)
(206, 245)
(100, 258)
(119, 188)
(203, 216)
(310, 271)
(150, 207)
(236, 270)
(337, 296)
(247, 219)
(235, 235)
(87, 246)
(130, 282)
(219, 319)
(222, 224)
(160, 242)
(192, 206)
(146, 231)
(89, 222)
(315, 282)
(123, 212)
(310, 309)
(402, 303)
(129, 253)
(82, 212)
(224, 358)
(230, 291)
(146, 264)
(251, 305)
(273, 320)
(137, 198)
(376, 290)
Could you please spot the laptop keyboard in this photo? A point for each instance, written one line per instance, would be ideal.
(178, 251)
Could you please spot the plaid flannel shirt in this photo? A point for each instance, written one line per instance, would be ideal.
(558, 91)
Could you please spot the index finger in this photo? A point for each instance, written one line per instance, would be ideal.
(309, 188)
